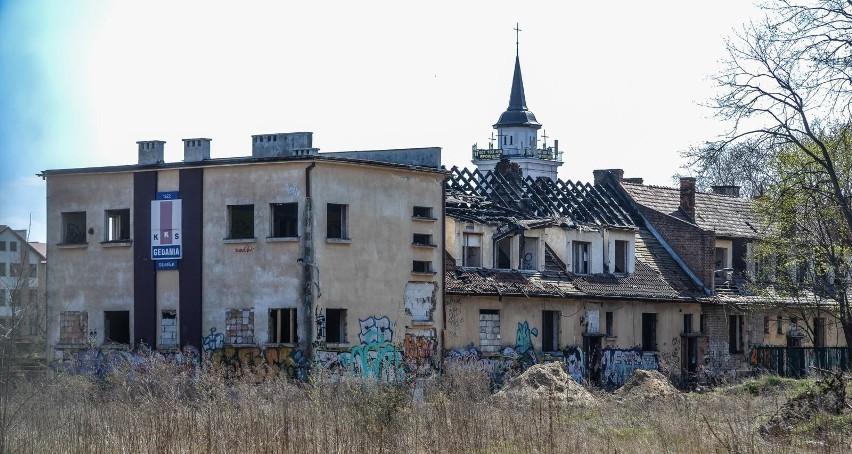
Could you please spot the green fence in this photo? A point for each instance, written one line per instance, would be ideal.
(800, 362)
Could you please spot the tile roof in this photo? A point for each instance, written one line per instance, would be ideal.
(727, 216)
(505, 198)
(656, 276)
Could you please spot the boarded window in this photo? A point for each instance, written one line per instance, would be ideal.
(472, 254)
(168, 327)
(240, 221)
(282, 325)
(285, 220)
(73, 327)
(239, 326)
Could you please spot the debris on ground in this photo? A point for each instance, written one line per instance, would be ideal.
(646, 385)
(828, 396)
(547, 381)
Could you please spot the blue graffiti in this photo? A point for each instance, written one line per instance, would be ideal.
(524, 337)
(375, 330)
(214, 341)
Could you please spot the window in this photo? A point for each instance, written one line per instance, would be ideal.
(285, 220)
(422, 212)
(779, 325)
(503, 253)
(687, 323)
(765, 324)
(2, 269)
(335, 326)
(472, 254)
(421, 266)
(240, 221)
(2, 296)
(649, 332)
(168, 327)
(239, 326)
(621, 254)
(581, 257)
(13, 246)
(73, 327)
(593, 321)
(794, 327)
(702, 322)
(336, 222)
(735, 334)
(2, 245)
(282, 326)
(489, 331)
(721, 258)
(529, 259)
(117, 327)
(15, 269)
(422, 239)
(609, 324)
(550, 331)
(74, 227)
(117, 226)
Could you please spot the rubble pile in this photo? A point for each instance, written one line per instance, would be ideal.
(547, 381)
(647, 385)
(828, 396)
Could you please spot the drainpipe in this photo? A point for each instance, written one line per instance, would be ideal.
(308, 271)
(443, 279)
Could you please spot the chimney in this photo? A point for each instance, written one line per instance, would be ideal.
(600, 175)
(687, 196)
(282, 145)
(634, 180)
(195, 150)
(729, 190)
(151, 152)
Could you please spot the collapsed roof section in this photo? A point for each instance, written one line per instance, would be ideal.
(506, 200)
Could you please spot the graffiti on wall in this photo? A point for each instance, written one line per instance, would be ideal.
(524, 337)
(375, 358)
(575, 363)
(618, 364)
(101, 362)
(419, 349)
(454, 317)
(375, 330)
(420, 300)
(263, 361)
(499, 368)
(213, 341)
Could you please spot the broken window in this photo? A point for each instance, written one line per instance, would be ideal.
(422, 212)
(240, 221)
(735, 334)
(285, 220)
(649, 332)
(609, 324)
(621, 254)
(721, 258)
(503, 253)
(168, 327)
(282, 326)
(117, 226)
(489, 330)
(472, 253)
(581, 257)
(422, 239)
(529, 259)
(73, 227)
(422, 266)
(117, 327)
(239, 326)
(336, 221)
(550, 331)
(335, 326)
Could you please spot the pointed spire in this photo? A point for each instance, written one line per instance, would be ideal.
(517, 100)
(517, 114)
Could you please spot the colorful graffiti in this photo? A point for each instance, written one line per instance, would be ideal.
(263, 361)
(618, 364)
(419, 348)
(213, 341)
(375, 330)
(575, 363)
(524, 337)
(499, 368)
(375, 358)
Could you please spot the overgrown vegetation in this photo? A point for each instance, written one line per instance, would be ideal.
(162, 407)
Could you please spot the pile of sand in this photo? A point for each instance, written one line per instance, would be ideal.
(647, 385)
(547, 381)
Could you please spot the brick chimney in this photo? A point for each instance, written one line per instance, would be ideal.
(729, 190)
(151, 151)
(600, 175)
(687, 196)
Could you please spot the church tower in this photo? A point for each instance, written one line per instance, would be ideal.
(517, 136)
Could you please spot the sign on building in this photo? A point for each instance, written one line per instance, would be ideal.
(165, 229)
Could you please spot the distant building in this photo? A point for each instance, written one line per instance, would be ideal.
(22, 291)
(287, 258)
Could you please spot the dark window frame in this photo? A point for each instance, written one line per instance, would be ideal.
(337, 221)
(285, 220)
(122, 226)
(73, 227)
(241, 222)
(283, 325)
(335, 326)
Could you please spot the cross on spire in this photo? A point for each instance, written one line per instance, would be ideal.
(517, 38)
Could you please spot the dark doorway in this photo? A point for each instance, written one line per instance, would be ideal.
(117, 327)
(649, 332)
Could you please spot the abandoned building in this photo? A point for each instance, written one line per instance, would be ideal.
(23, 267)
(286, 257)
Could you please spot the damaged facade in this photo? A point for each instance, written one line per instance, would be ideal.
(287, 258)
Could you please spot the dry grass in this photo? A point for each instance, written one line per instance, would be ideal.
(169, 409)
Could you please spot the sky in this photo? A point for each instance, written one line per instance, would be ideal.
(621, 86)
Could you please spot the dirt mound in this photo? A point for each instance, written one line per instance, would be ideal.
(827, 396)
(647, 384)
(547, 381)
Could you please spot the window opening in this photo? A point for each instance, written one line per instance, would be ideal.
(550, 330)
(117, 327)
(285, 220)
(503, 255)
(117, 225)
(335, 326)
(581, 257)
(282, 325)
(472, 254)
(529, 260)
(74, 227)
(336, 221)
(621, 248)
(240, 221)
(649, 332)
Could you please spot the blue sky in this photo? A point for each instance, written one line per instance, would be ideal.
(81, 82)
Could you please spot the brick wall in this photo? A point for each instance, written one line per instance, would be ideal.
(695, 246)
(489, 333)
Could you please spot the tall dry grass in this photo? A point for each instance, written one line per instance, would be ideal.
(169, 409)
